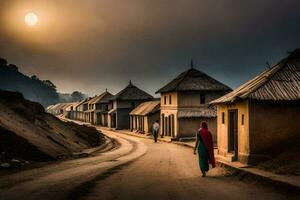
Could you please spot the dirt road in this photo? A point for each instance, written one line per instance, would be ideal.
(165, 171)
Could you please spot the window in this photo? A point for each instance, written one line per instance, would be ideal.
(170, 99)
(133, 104)
(243, 119)
(223, 118)
(106, 107)
(202, 99)
(165, 100)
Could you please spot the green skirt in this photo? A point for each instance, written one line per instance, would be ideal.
(203, 156)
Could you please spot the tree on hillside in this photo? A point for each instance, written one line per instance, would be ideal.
(3, 62)
(49, 84)
(13, 67)
(77, 96)
(34, 77)
(32, 88)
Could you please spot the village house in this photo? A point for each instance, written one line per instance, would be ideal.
(69, 110)
(262, 115)
(184, 104)
(98, 108)
(144, 115)
(123, 103)
(80, 110)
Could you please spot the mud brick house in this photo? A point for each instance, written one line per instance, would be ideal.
(80, 110)
(184, 103)
(144, 115)
(123, 103)
(98, 108)
(70, 112)
(261, 115)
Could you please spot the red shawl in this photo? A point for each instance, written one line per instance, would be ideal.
(208, 143)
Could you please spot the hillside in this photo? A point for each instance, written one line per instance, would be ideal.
(28, 132)
(32, 88)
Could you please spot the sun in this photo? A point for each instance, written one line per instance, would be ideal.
(31, 19)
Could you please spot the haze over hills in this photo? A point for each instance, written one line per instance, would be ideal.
(34, 89)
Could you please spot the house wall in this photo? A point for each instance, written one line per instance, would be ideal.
(243, 130)
(188, 127)
(191, 99)
(271, 126)
(151, 118)
(167, 109)
(123, 118)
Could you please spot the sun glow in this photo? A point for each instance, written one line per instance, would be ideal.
(31, 19)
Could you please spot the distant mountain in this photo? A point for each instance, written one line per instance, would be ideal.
(32, 88)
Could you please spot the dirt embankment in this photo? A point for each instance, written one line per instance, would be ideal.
(28, 133)
(285, 158)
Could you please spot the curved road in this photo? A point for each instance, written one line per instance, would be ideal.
(162, 171)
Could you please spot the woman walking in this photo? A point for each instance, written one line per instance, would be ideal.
(205, 148)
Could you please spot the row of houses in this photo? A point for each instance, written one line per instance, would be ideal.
(247, 123)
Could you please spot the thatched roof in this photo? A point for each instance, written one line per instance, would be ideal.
(131, 92)
(194, 80)
(82, 102)
(207, 112)
(105, 97)
(146, 108)
(278, 83)
(70, 105)
(49, 107)
(58, 107)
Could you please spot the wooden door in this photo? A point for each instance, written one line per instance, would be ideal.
(233, 132)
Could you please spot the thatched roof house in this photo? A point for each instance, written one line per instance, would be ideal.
(278, 83)
(144, 115)
(98, 107)
(250, 118)
(184, 103)
(123, 103)
(131, 92)
(146, 108)
(194, 80)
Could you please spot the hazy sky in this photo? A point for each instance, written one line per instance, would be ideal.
(91, 45)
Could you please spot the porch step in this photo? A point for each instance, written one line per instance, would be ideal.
(228, 158)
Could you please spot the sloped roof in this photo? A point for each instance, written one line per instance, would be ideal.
(194, 80)
(72, 104)
(79, 103)
(131, 92)
(90, 101)
(207, 112)
(102, 98)
(49, 107)
(146, 108)
(278, 83)
(85, 101)
(58, 106)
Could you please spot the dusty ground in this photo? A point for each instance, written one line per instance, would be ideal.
(166, 171)
(285, 161)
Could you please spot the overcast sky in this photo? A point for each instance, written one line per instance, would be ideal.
(96, 44)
